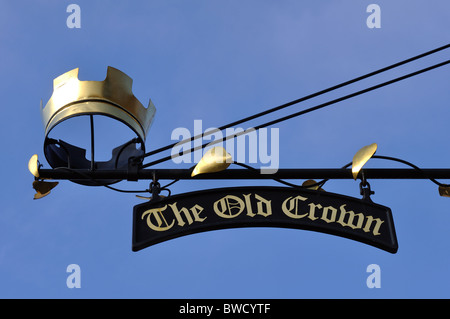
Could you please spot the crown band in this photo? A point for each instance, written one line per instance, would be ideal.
(112, 97)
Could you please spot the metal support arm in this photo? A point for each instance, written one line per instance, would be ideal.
(285, 173)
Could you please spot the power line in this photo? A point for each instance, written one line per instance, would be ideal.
(314, 108)
(307, 97)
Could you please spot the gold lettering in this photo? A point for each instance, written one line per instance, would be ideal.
(376, 229)
(159, 218)
(325, 214)
(231, 206)
(293, 206)
(351, 215)
(196, 214)
(312, 210)
(186, 213)
(259, 205)
(224, 206)
(248, 204)
(178, 214)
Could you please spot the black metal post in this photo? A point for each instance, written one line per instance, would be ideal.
(285, 173)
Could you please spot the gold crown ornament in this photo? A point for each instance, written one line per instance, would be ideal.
(112, 97)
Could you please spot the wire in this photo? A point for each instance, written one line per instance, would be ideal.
(318, 184)
(113, 188)
(322, 182)
(307, 97)
(314, 108)
(275, 179)
(411, 165)
(171, 183)
(100, 183)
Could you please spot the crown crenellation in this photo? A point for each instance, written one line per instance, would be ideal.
(111, 97)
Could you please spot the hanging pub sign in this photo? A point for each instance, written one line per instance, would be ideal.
(167, 218)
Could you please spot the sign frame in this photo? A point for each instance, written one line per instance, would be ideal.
(263, 206)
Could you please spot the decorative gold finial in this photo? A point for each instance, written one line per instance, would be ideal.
(33, 165)
(215, 159)
(361, 157)
(444, 191)
(43, 188)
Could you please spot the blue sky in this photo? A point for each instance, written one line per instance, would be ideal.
(219, 61)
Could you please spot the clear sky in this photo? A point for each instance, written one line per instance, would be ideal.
(219, 61)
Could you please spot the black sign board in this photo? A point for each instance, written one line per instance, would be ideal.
(189, 213)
